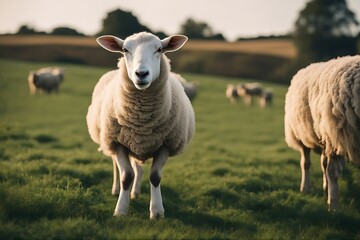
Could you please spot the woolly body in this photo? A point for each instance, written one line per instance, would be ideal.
(322, 108)
(322, 113)
(142, 121)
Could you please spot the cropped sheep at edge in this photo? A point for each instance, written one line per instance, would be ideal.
(322, 108)
(322, 113)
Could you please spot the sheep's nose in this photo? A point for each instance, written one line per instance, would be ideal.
(141, 74)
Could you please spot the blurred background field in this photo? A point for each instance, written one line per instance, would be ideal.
(237, 179)
(220, 58)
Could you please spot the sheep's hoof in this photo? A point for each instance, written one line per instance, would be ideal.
(119, 214)
(115, 190)
(135, 195)
(157, 216)
(333, 205)
(115, 193)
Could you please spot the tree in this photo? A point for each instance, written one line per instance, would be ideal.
(122, 24)
(66, 31)
(26, 30)
(325, 29)
(199, 30)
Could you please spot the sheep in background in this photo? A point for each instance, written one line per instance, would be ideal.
(190, 88)
(322, 113)
(248, 91)
(140, 111)
(266, 98)
(232, 93)
(47, 79)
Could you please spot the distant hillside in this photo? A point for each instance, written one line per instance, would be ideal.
(258, 59)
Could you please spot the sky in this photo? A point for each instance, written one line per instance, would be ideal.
(232, 18)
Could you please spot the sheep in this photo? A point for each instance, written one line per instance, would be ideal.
(140, 111)
(47, 79)
(265, 98)
(322, 113)
(232, 93)
(190, 88)
(248, 91)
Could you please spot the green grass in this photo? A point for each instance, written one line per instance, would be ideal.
(236, 180)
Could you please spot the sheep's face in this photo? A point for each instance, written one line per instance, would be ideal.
(142, 52)
(142, 60)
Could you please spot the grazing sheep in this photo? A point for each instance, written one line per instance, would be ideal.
(140, 111)
(232, 93)
(46, 79)
(190, 88)
(322, 113)
(248, 91)
(265, 98)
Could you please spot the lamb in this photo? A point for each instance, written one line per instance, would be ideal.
(232, 93)
(140, 111)
(46, 79)
(322, 113)
(248, 91)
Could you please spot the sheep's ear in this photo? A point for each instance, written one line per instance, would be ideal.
(173, 43)
(111, 43)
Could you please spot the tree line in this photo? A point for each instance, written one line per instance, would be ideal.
(122, 24)
(323, 30)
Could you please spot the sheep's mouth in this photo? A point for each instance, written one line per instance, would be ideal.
(141, 85)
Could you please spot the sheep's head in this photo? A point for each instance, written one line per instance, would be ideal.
(142, 52)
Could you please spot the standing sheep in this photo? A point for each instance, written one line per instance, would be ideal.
(46, 79)
(140, 111)
(322, 113)
(265, 98)
(248, 91)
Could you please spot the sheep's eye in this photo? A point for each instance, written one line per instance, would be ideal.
(159, 50)
(125, 50)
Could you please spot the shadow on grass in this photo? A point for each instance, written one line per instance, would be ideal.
(174, 207)
(44, 138)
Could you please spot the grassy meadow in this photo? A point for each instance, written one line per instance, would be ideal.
(236, 180)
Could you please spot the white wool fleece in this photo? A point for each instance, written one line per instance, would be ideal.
(141, 120)
(322, 108)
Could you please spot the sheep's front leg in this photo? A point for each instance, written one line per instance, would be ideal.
(126, 179)
(138, 172)
(247, 100)
(305, 164)
(116, 178)
(156, 205)
(334, 167)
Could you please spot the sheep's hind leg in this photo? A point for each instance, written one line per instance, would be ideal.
(334, 168)
(138, 172)
(126, 178)
(323, 164)
(156, 205)
(116, 178)
(305, 164)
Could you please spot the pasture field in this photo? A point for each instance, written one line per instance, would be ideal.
(236, 180)
(275, 47)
